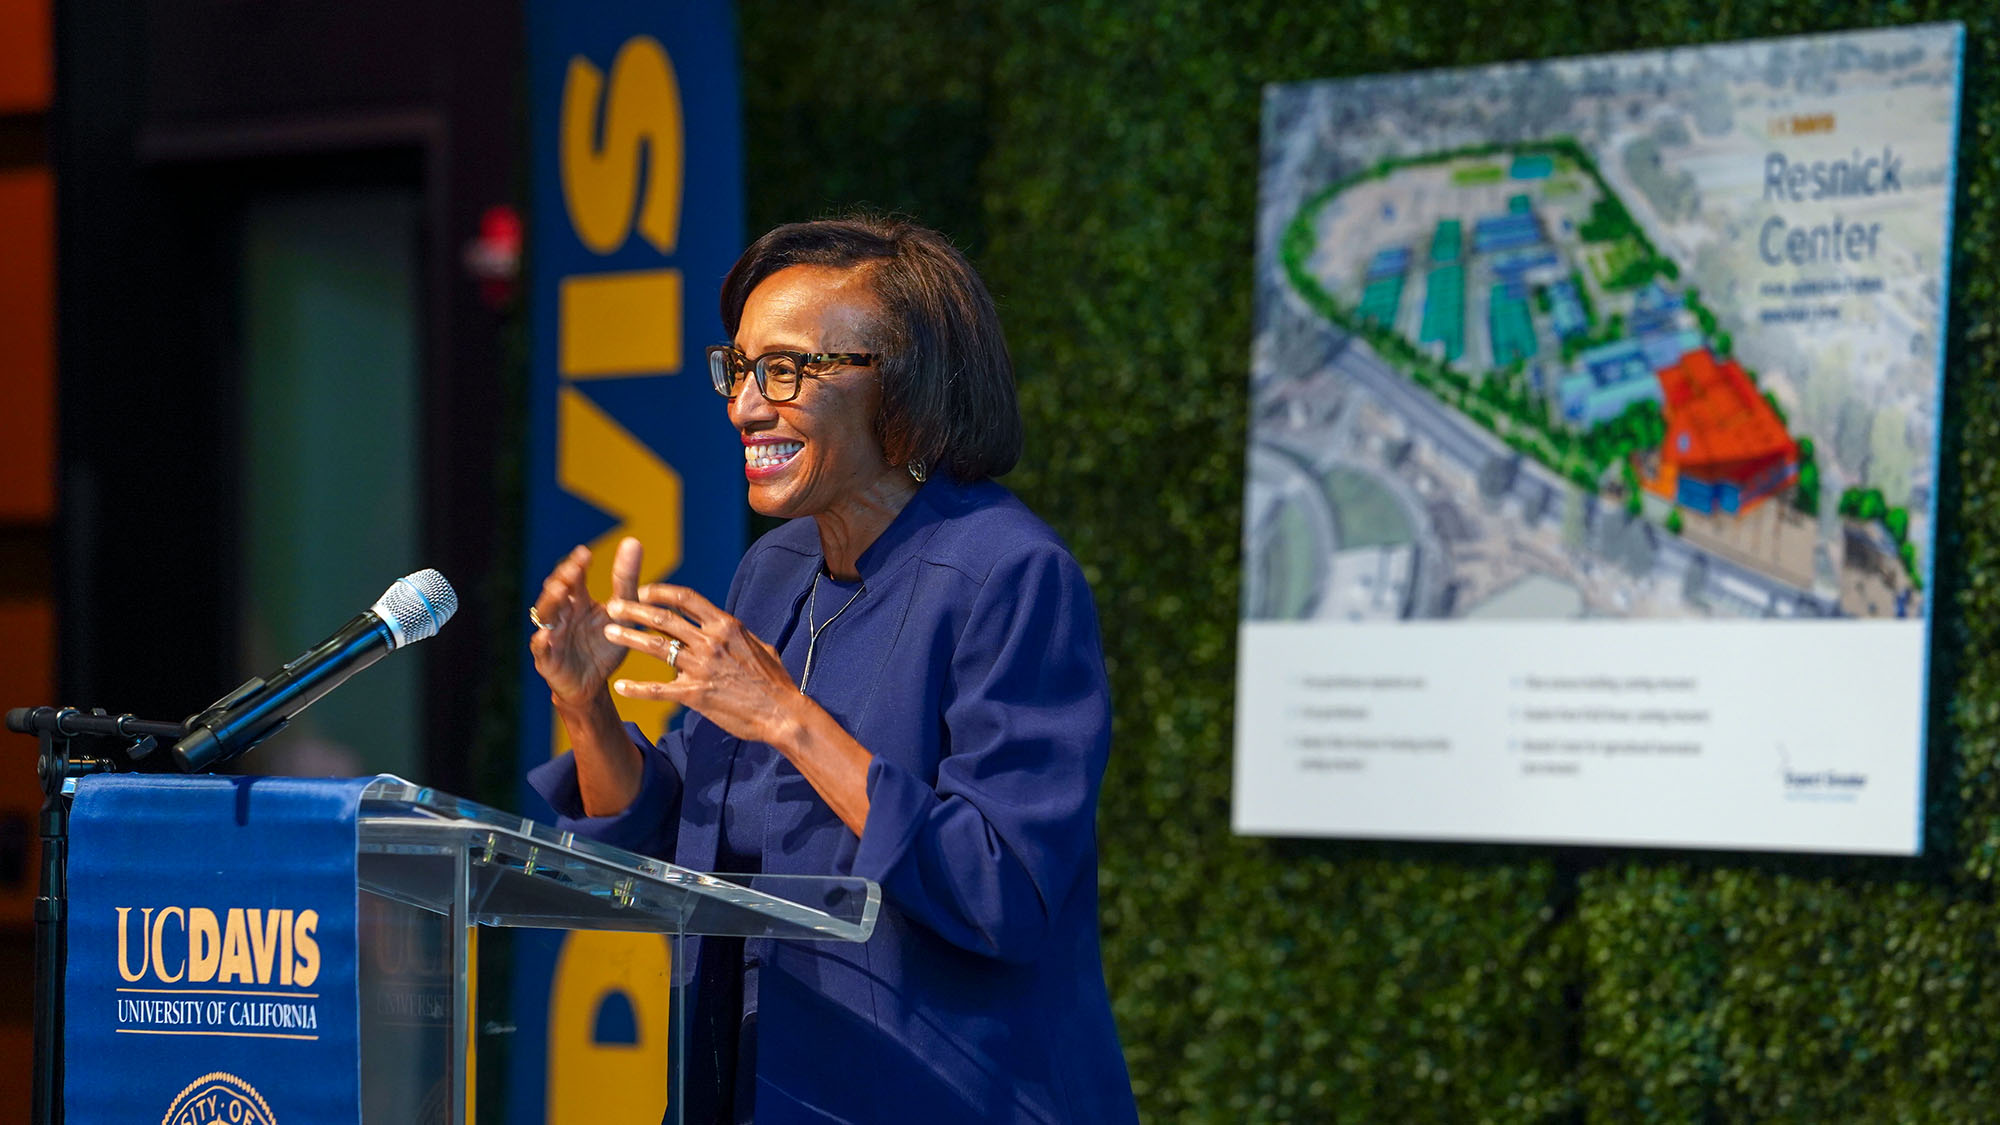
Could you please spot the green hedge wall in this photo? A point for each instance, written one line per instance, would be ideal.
(1099, 160)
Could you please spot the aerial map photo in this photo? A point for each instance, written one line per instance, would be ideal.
(1638, 336)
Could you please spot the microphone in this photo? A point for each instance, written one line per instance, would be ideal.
(409, 611)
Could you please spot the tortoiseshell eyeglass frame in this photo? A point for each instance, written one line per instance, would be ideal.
(727, 367)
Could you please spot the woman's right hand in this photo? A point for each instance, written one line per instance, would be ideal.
(572, 654)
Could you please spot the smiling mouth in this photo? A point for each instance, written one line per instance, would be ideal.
(769, 455)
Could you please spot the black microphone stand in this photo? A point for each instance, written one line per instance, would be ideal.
(58, 766)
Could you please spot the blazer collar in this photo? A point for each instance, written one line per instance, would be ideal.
(908, 532)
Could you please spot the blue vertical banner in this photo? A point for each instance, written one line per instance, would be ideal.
(637, 214)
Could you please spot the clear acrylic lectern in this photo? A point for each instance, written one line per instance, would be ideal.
(435, 869)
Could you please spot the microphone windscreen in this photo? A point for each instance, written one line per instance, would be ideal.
(414, 607)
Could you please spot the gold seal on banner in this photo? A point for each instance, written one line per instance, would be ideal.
(219, 1097)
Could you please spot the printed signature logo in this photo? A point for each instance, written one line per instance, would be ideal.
(219, 1097)
(1818, 784)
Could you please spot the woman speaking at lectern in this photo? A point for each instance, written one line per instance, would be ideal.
(905, 684)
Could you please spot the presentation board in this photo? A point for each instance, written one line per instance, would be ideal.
(1593, 461)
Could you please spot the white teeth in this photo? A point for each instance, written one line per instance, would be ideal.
(768, 454)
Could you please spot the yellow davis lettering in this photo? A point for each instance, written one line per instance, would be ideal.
(191, 945)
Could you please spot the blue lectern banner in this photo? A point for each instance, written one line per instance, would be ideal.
(211, 971)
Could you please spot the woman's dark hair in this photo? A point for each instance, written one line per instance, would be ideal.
(947, 383)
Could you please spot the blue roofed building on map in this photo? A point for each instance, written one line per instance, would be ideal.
(1511, 328)
(1514, 265)
(1609, 379)
(1388, 262)
(1665, 349)
(1654, 309)
(1495, 233)
(1382, 288)
(1566, 310)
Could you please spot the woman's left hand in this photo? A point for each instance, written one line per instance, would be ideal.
(739, 683)
(722, 670)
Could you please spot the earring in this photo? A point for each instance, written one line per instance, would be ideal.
(918, 472)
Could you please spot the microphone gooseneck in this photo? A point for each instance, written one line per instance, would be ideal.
(411, 610)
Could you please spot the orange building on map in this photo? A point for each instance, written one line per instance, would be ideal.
(1726, 449)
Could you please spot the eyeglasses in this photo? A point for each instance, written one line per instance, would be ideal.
(778, 373)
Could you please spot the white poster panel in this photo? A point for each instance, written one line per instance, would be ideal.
(1594, 425)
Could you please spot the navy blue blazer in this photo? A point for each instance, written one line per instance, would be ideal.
(971, 668)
